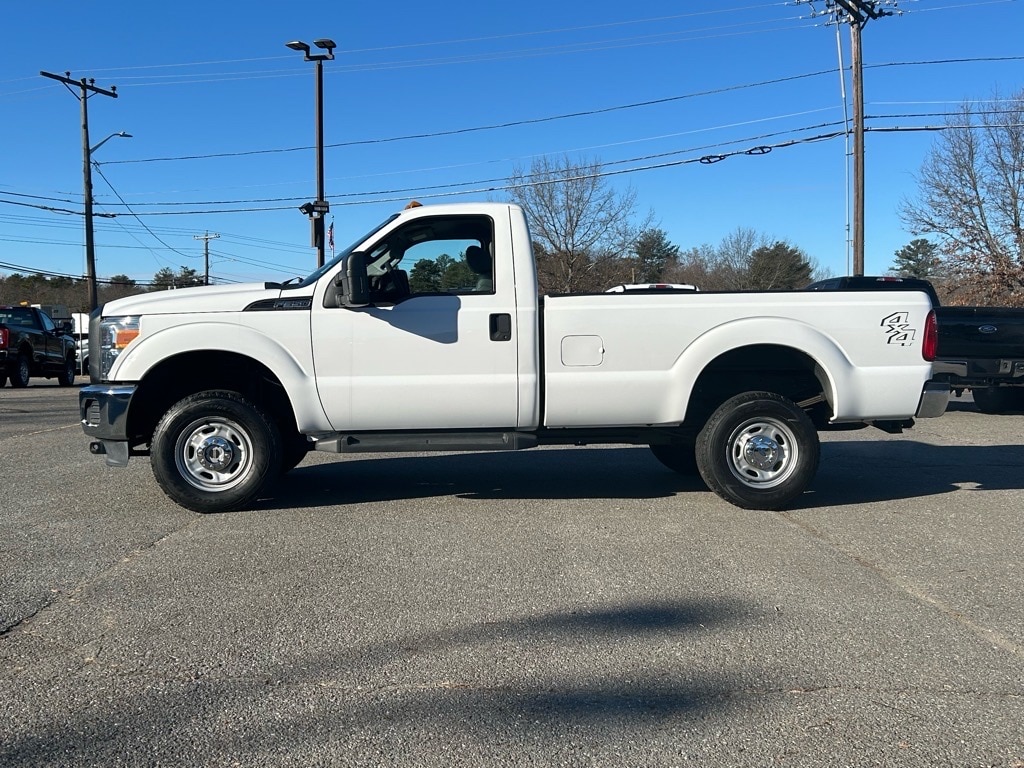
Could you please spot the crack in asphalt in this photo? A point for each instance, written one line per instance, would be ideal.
(994, 636)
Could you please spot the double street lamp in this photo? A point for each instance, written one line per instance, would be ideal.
(317, 210)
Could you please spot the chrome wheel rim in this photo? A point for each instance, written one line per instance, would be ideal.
(214, 454)
(763, 452)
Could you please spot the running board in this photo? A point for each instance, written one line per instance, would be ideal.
(387, 442)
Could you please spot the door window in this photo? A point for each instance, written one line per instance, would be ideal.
(436, 255)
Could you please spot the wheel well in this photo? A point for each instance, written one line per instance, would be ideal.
(764, 367)
(182, 375)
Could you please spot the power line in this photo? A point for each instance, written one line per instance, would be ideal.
(550, 118)
(130, 211)
(30, 271)
(478, 128)
(496, 180)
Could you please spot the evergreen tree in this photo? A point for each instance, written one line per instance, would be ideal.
(919, 258)
(167, 278)
(425, 275)
(654, 255)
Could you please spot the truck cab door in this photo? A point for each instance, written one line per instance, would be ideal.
(51, 352)
(437, 346)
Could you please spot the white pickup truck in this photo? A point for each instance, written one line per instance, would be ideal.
(226, 387)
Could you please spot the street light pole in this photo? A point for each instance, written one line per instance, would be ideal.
(320, 154)
(318, 209)
(90, 246)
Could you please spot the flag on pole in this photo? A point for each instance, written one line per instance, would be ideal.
(330, 237)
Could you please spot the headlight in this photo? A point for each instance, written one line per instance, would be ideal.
(116, 333)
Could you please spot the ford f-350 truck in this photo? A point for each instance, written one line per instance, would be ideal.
(226, 387)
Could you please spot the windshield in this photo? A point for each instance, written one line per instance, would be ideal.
(340, 257)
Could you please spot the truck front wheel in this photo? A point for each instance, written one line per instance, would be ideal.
(758, 451)
(215, 451)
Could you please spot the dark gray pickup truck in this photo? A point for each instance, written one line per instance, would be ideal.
(980, 348)
(31, 344)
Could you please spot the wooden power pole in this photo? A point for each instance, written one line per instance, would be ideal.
(856, 13)
(87, 88)
(206, 254)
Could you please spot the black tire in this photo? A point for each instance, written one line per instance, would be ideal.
(3, 379)
(22, 372)
(215, 451)
(678, 456)
(67, 376)
(998, 400)
(758, 451)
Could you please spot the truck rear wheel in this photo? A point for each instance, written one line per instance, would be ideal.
(215, 451)
(758, 451)
(998, 400)
(21, 372)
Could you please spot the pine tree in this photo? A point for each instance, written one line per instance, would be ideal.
(919, 258)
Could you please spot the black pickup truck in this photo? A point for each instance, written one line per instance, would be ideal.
(31, 344)
(980, 348)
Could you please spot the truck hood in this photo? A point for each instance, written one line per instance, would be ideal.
(204, 298)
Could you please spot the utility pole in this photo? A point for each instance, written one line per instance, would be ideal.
(856, 13)
(206, 253)
(857, 85)
(87, 87)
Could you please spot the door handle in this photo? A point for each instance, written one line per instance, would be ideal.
(501, 326)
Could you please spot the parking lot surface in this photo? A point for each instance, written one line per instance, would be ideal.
(550, 607)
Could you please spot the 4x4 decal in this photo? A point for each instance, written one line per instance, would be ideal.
(898, 330)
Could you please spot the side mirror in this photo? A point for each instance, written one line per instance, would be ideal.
(67, 328)
(355, 285)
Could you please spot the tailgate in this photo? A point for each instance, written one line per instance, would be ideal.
(967, 333)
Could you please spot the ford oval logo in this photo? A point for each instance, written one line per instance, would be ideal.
(987, 329)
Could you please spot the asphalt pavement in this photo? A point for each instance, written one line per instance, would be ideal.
(553, 607)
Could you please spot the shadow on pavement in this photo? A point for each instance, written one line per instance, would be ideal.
(855, 472)
(586, 683)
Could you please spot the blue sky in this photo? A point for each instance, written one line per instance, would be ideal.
(222, 118)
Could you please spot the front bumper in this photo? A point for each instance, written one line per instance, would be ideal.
(104, 412)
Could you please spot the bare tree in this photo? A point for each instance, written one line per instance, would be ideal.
(971, 191)
(583, 229)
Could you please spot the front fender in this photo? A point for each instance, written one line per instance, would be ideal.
(286, 354)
